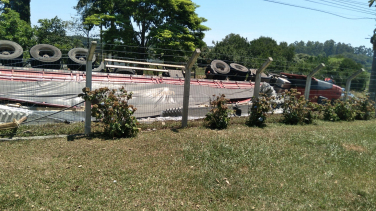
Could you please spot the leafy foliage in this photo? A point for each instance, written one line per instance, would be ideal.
(296, 109)
(344, 110)
(14, 29)
(329, 112)
(233, 48)
(112, 108)
(158, 24)
(258, 112)
(218, 117)
(329, 48)
(22, 7)
(364, 108)
(54, 32)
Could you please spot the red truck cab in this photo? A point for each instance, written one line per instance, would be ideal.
(318, 87)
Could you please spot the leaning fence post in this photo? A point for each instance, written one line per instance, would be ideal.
(309, 80)
(258, 77)
(187, 86)
(348, 82)
(89, 59)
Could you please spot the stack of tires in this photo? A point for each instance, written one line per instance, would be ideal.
(45, 56)
(11, 54)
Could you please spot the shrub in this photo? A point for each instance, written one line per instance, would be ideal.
(344, 110)
(218, 117)
(112, 108)
(258, 111)
(296, 109)
(329, 112)
(364, 108)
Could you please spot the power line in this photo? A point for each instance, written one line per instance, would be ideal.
(363, 3)
(341, 6)
(292, 5)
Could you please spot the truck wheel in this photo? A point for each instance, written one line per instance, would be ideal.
(220, 67)
(239, 69)
(45, 56)
(77, 59)
(125, 71)
(11, 53)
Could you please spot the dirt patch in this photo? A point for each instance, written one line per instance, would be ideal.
(352, 147)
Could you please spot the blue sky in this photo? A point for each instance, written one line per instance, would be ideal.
(255, 18)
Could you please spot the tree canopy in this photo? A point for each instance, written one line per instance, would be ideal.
(233, 48)
(53, 31)
(14, 29)
(147, 23)
(20, 6)
(329, 48)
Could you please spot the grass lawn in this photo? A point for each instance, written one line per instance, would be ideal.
(326, 166)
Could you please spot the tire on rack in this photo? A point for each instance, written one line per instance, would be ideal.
(11, 53)
(239, 69)
(99, 68)
(238, 72)
(125, 71)
(220, 69)
(45, 56)
(77, 59)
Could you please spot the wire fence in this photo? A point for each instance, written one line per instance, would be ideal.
(48, 92)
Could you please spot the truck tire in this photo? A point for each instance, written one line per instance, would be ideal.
(239, 69)
(220, 67)
(125, 71)
(45, 56)
(238, 72)
(77, 59)
(11, 53)
(99, 68)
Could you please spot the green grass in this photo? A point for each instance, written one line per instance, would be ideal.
(325, 166)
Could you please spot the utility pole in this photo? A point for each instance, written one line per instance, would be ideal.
(372, 81)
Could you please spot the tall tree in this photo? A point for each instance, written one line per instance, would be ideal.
(148, 23)
(233, 48)
(54, 32)
(22, 7)
(14, 29)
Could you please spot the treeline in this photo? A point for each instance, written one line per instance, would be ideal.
(252, 54)
(330, 48)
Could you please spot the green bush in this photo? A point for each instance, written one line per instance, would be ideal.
(345, 110)
(329, 112)
(112, 108)
(361, 108)
(218, 117)
(258, 111)
(296, 109)
(364, 108)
